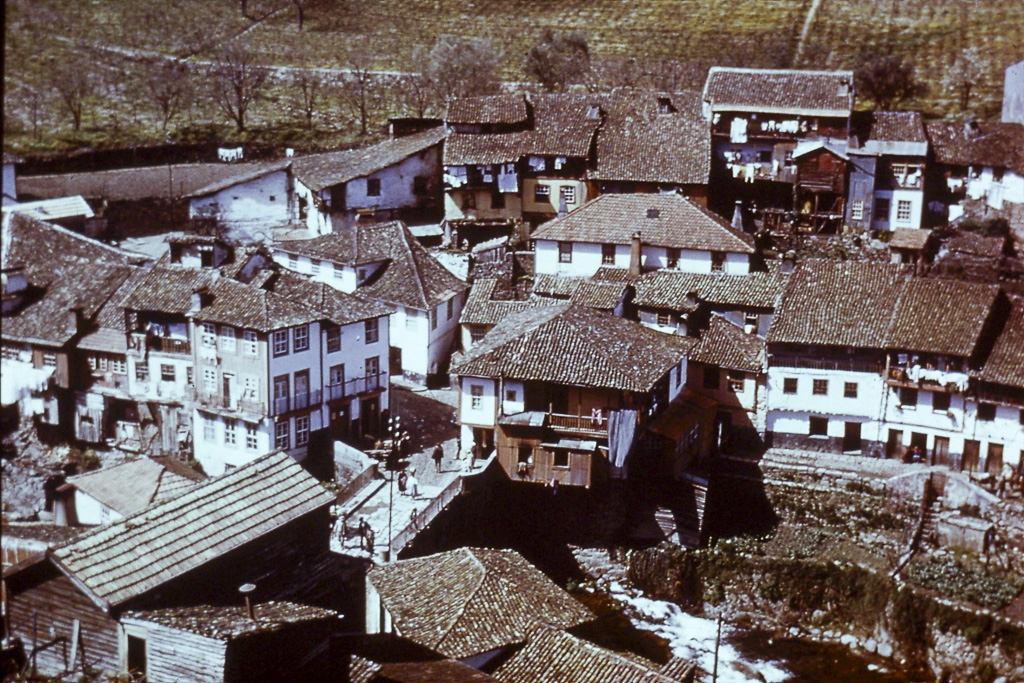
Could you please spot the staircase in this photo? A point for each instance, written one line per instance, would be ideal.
(929, 516)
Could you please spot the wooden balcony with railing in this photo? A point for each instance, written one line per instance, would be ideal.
(582, 425)
(356, 386)
(837, 364)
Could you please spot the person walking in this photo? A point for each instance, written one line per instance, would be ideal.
(437, 456)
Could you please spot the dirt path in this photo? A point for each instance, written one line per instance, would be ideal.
(808, 22)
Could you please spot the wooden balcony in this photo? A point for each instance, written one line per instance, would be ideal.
(583, 425)
(356, 386)
(838, 364)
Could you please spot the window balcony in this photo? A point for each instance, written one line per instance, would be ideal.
(300, 401)
(924, 378)
(357, 386)
(836, 364)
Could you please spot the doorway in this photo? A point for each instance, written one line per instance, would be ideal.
(137, 656)
(972, 451)
(940, 454)
(370, 411)
(851, 438)
(994, 461)
(894, 444)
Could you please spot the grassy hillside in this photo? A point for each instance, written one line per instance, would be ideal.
(697, 32)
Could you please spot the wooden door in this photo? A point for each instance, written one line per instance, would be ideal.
(972, 450)
(994, 461)
(940, 454)
(895, 444)
(851, 438)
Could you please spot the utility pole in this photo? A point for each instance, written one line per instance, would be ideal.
(718, 640)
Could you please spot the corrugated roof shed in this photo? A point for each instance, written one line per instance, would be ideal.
(783, 91)
(553, 656)
(573, 345)
(127, 558)
(232, 622)
(132, 486)
(472, 600)
(940, 316)
(727, 345)
(663, 220)
(1005, 364)
(54, 209)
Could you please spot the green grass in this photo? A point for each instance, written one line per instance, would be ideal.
(760, 33)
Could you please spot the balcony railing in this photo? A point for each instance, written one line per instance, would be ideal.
(933, 380)
(579, 424)
(838, 364)
(356, 386)
(169, 345)
(241, 405)
(300, 401)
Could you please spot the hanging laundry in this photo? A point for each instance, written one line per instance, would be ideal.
(536, 164)
(738, 130)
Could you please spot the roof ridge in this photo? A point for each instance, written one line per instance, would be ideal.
(462, 609)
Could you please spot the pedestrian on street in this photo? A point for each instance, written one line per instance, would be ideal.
(369, 540)
(437, 455)
(413, 484)
(403, 482)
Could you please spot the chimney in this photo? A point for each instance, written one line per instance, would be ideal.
(76, 319)
(245, 589)
(634, 254)
(970, 129)
(737, 216)
(200, 298)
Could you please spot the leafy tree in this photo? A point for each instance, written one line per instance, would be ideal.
(968, 71)
(887, 80)
(463, 68)
(236, 82)
(558, 60)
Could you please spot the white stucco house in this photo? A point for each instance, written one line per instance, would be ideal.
(642, 232)
(250, 203)
(384, 262)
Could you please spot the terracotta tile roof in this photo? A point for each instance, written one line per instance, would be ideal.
(168, 289)
(243, 175)
(124, 559)
(669, 289)
(444, 671)
(553, 656)
(637, 143)
(940, 316)
(557, 286)
(780, 91)
(465, 149)
(838, 303)
(614, 218)
(336, 306)
(505, 109)
(575, 346)
(131, 486)
(350, 247)
(909, 238)
(482, 309)
(472, 600)
(965, 242)
(232, 622)
(992, 144)
(132, 184)
(897, 126)
(319, 171)
(604, 296)
(254, 308)
(1005, 364)
(727, 345)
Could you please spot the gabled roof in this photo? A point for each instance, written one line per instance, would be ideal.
(604, 296)
(241, 176)
(573, 345)
(336, 306)
(482, 309)
(899, 133)
(965, 242)
(500, 109)
(472, 600)
(168, 289)
(554, 656)
(127, 558)
(985, 143)
(678, 223)
(726, 345)
(232, 622)
(940, 316)
(909, 238)
(254, 308)
(319, 171)
(131, 486)
(782, 91)
(669, 289)
(53, 209)
(1005, 364)
(805, 147)
(838, 303)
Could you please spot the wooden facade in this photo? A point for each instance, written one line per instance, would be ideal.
(526, 455)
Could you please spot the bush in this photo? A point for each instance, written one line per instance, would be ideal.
(955, 579)
(85, 461)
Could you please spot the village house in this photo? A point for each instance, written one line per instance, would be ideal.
(911, 246)
(384, 262)
(758, 117)
(113, 493)
(66, 604)
(250, 202)
(564, 392)
(641, 232)
(888, 156)
(473, 605)
(978, 167)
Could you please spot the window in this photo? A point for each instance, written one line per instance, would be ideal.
(230, 435)
(282, 436)
(565, 252)
(300, 338)
(476, 393)
(850, 390)
(209, 379)
(497, 200)
(315, 267)
(101, 361)
(857, 212)
(717, 261)
(142, 372)
(249, 343)
(477, 332)
(819, 426)
(337, 374)
(541, 193)
(511, 395)
(608, 254)
(820, 387)
(419, 185)
(940, 401)
(764, 156)
(433, 318)
(908, 396)
(736, 378)
(302, 430)
(568, 195)
(167, 372)
(664, 319)
(561, 458)
(711, 378)
(227, 339)
(293, 262)
(251, 437)
(338, 270)
(252, 387)
(281, 393)
(373, 187)
(525, 455)
(986, 412)
(333, 339)
(903, 211)
(882, 209)
(372, 366)
(209, 429)
(451, 307)
(672, 258)
(280, 343)
(789, 385)
(371, 330)
(118, 366)
(750, 320)
(209, 337)
(188, 375)
(899, 170)
(93, 363)
(50, 359)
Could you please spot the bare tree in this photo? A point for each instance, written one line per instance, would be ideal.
(236, 82)
(968, 71)
(309, 89)
(73, 82)
(417, 93)
(300, 11)
(34, 103)
(168, 84)
(362, 92)
(463, 68)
